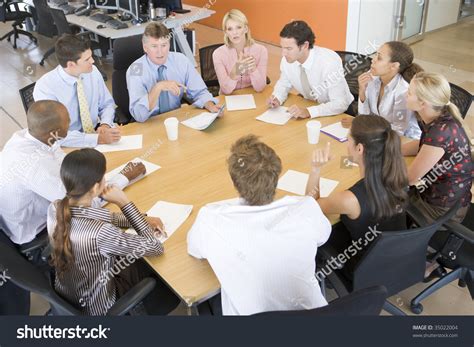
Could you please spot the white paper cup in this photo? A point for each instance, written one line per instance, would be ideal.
(171, 125)
(313, 127)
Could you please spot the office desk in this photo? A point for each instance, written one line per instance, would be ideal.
(175, 25)
(194, 171)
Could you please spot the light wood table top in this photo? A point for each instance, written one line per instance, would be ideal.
(194, 171)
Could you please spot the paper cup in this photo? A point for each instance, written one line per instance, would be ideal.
(313, 127)
(171, 125)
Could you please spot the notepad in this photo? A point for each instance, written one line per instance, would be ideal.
(201, 121)
(295, 182)
(240, 102)
(336, 131)
(150, 168)
(172, 215)
(126, 143)
(277, 115)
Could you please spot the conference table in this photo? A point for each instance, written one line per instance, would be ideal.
(194, 172)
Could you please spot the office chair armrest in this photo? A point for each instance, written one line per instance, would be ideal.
(132, 297)
(461, 231)
(416, 216)
(39, 242)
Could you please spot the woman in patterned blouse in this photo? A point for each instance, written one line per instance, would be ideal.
(442, 169)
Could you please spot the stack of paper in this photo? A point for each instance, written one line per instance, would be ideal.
(172, 215)
(277, 115)
(201, 121)
(295, 182)
(336, 131)
(150, 168)
(126, 143)
(240, 102)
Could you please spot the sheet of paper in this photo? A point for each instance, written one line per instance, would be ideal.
(295, 182)
(240, 102)
(201, 121)
(150, 168)
(336, 131)
(277, 115)
(172, 215)
(126, 143)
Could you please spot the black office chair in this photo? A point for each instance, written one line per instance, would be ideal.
(64, 27)
(46, 25)
(126, 51)
(26, 94)
(362, 302)
(10, 12)
(354, 64)
(30, 278)
(208, 71)
(461, 98)
(395, 259)
(454, 250)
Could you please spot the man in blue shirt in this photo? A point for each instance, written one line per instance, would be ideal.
(78, 85)
(157, 81)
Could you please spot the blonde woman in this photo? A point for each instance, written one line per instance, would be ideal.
(241, 62)
(442, 169)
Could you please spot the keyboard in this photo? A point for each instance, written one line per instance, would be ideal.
(116, 24)
(100, 17)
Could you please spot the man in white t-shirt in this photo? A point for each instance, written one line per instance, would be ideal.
(262, 251)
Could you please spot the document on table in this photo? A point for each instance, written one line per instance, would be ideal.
(295, 182)
(150, 168)
(277, 115)
(240, 102)
(336, 131)
(172, 215)
(126, 143)
(201, 121)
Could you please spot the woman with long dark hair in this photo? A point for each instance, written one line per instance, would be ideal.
(89, 247)
(378, 199)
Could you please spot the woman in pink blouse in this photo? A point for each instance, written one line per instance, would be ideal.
(241, 62)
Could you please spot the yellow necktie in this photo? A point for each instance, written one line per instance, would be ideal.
(84, 112)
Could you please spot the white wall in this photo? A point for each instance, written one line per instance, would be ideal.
(441, 13)
(370, 23)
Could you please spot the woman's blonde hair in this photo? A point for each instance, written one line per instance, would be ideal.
(434, 89)
(239, 17)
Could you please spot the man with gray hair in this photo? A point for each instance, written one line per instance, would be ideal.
(157, 81)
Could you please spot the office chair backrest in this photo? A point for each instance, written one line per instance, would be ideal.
(60, 21)
(26, 94)
(363, 302)
(397, 259)
(206, 62)
(3, 11)
(29, 277)
(46, 25)
(126, 51)
(461, 98)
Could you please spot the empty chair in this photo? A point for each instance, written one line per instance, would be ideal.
(10, 12)
(46, 25)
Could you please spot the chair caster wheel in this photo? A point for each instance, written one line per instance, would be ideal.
(416, 308)
(41, 62)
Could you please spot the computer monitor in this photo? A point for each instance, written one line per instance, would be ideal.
(106, 4)
(129, 6)
(170, 5)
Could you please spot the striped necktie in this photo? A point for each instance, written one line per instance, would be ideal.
(164, 101)
(84, 111)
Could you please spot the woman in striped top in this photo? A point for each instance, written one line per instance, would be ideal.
(93, 258)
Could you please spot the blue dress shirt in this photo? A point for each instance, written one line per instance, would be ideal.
(142, 76)
(58, 85)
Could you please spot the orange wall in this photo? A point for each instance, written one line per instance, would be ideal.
(327, 18)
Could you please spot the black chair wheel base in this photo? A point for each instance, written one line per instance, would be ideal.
(462, 283)
(41, 62)
(416, 308)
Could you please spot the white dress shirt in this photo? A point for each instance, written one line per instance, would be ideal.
(263, 256)
(326, 78)
(393, 106)
(29, 182)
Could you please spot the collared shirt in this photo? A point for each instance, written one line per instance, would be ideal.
(29, 181)
(97, 244)
(393, 106)
(326, 78)
(263, 256)
(142, 76)
(225, 59)
(58, 85)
